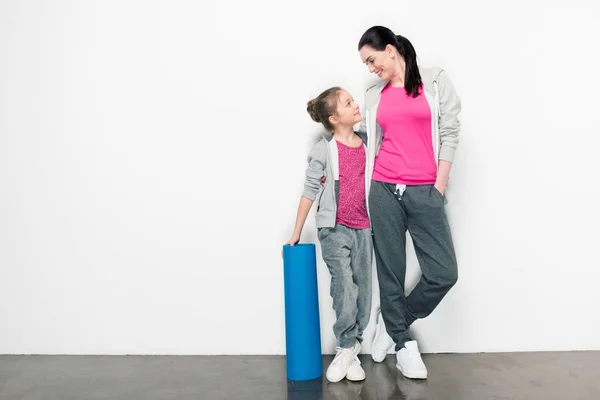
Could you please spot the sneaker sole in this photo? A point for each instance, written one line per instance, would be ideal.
(334, 381)
(356, 380)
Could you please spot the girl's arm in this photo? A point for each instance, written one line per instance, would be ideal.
(303, 210)
(317, 161)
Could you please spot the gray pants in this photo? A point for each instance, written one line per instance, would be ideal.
(348, 255)
(420, 210)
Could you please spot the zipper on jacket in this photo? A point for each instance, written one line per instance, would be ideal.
(321, 196)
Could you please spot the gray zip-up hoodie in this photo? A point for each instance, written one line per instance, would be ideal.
(323, 161)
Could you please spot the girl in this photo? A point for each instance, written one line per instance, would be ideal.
(342, 221)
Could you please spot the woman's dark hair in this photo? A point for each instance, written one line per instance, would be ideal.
(324, 106)
(378, 37)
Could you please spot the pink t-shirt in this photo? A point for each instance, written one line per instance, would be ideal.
(352, 207)
(406, 155)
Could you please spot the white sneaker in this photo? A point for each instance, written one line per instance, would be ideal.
(382, 343)
(340, 365)
(355, 372)
(409, 361)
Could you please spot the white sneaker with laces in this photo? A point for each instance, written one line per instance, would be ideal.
(355, 371)
(338, 369)
(382, 343)
(409, 361)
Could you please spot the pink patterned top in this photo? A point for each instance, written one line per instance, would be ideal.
(352, 206)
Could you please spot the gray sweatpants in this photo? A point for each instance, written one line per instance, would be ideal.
(348, 255)
(420, 210)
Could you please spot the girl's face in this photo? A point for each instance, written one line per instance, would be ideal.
(347, 111)
(380, 63)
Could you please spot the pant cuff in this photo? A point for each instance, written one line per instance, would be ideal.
(400, 344)
(347, 343)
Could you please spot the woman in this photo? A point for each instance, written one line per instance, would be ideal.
(411, 119)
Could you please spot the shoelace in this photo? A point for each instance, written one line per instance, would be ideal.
(339, 354)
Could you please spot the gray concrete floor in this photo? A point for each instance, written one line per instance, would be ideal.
(499, 376)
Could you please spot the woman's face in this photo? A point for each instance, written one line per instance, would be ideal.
(380, 63)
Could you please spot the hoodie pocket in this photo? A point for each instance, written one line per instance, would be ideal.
(439, 195)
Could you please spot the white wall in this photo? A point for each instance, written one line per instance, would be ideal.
(152, 156)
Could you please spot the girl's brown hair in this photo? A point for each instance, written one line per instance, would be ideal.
(324, 106)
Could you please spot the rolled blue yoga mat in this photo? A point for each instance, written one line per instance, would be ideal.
(302, 326)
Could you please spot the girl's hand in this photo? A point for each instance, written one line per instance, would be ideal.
(294, 240)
